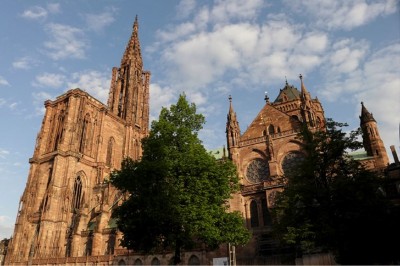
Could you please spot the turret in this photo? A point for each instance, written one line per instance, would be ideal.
(232, 129)
(372, 142)
(307, 110)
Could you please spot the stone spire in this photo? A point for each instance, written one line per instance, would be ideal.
(132, 50)
(305, 95)
(129, 90)
(365, 116)
(372, 141)
(232, 127)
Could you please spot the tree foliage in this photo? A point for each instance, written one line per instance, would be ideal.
(332, 203)
(178, 192)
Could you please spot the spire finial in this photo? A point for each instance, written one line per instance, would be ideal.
(230, 98)
(266, 98)
(301, 77)
(136, 24)
(286, 81)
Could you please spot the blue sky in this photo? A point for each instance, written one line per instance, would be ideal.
(347, 52)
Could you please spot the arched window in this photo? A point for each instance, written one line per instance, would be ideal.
(138, 262)
(59, 130)
(264, 133)
(318, 122)
(110, 152)
(253, 214)
(121, 262)
(155, 261)
(271, 129)
(85, 133)
(77, 196)
(111, 243)
(68, 246)
(194, 260)
(89, 244)
(265, 212)
(295, 117)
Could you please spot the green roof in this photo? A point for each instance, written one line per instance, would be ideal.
(291, 93)
(218, 153)
(360, 155)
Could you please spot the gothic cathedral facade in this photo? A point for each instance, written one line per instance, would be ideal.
(65, 210)
(269, 148)
(64, 215)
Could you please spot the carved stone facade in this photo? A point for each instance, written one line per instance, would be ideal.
(65, 209)
(269, 148)
(64, 215)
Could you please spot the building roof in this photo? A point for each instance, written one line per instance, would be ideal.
(290, 92)
(218, 153)
(360, 155)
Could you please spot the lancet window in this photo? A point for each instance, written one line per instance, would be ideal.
(77, 196)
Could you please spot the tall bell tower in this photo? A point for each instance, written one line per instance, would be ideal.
(372, 141)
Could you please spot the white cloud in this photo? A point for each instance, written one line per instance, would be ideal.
(49, 80)
(53, 8)
(376, 82)
(94, 82)
(241, 52)
(41, 13)
(347, 55)
(342, 14)
(344, 61)
(97, 22)
(13, 105)
(35, 13)
(226, 10)
(38, 100)
(66, 42)
(160, 97)
(24, 63)
(3, 82)
(185, 8)
(3, 153)
(6, 227)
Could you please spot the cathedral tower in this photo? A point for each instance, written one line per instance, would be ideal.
(65, 211)
(372, 141)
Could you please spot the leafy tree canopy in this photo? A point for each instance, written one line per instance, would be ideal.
(332, 203)
(178, 192)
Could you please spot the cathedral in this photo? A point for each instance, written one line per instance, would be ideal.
(269, 148)
(64, 216)
(65, 210)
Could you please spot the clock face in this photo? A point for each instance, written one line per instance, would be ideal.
(291, 162)
(257, 171)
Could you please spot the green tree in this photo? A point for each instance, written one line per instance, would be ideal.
(178, 192)
(332, 203)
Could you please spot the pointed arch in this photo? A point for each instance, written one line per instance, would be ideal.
(155, 261)
(138, 262)
(59, 130)
(77, 193)
(271, 129)
(254, 214)
(86, 129)
(194, 260)
(110, 152)
(265, 212)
